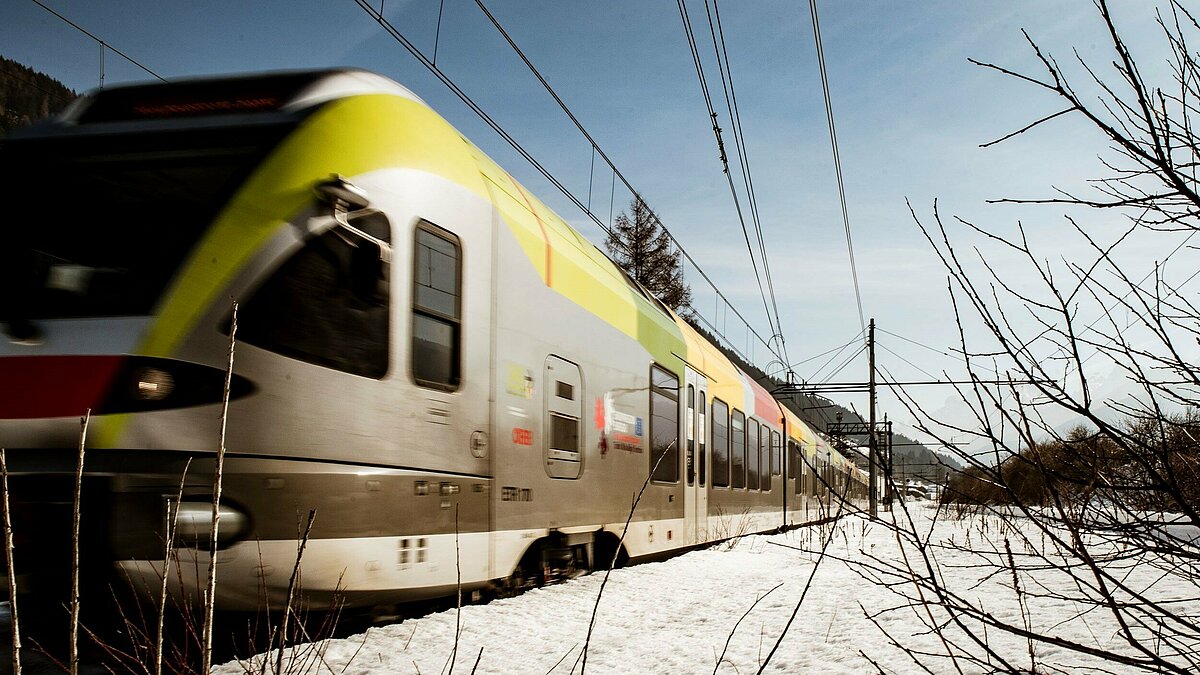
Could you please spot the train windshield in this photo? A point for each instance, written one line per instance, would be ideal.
(98, 224)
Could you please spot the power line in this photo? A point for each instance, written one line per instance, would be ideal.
(862, 348)
(102, 43)
(596, 149)
(744, 160)
(926, 372)
(919, 344)
(499, 129)
(616, 172)
(837, 160)
(698, 63)
(839, 348)
(475, 107)
(835, 356)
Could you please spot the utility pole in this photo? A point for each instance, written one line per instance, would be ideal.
(872, 449)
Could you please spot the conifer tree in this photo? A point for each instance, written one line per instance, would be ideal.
(640, 246)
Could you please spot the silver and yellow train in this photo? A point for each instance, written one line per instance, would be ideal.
(459, 385)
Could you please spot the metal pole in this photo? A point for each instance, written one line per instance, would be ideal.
(872, 460)
(890, 475)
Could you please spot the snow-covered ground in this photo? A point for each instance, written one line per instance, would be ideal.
(676, 616)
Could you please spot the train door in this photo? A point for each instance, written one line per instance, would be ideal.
(695, 456)
(451, 364)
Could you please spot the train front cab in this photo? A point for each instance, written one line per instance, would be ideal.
(362, 369)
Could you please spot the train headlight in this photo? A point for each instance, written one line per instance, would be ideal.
(194, 525)
(152, 384)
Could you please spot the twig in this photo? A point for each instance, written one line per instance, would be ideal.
(73, 654)
(12, 575)
(458, 583)
(291, 591)
(739, 622)
(168, 549)
(210, 593)
(596, 606)
(812, 575)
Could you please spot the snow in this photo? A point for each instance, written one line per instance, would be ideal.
(675, 616)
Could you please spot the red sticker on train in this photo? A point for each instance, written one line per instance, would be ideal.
(522, 436)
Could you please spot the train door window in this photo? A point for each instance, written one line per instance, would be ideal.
(664, 425)
(815, 474)
(796, 466)
(752, 436)
(737, 463)
(807, 469)
(776, 454)
(764, 446)
(564, 410)
(437, 307)
(328, 303)
(701, 433)
(720, 443)
(689, 422)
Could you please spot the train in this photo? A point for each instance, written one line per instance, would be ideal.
(464, 392)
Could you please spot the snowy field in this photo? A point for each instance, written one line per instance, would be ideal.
(676, 616)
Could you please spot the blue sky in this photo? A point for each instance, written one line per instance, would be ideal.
(911, 112)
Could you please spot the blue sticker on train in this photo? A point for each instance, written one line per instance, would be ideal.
(637, 429)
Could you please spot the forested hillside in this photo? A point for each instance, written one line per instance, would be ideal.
(27, 95)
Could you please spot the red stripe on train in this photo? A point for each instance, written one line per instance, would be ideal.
(54, 386)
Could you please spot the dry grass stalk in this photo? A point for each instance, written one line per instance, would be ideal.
(168, 550)
(73, 653)
(458, 606)
(12, 575)
(733, 630)
(291, 592)
(210, 593)
(617, 552)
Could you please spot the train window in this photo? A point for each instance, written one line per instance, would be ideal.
(764, 453)
(563, 425)
(664, 425)
(737, 463)
(701, 432)
(564, 435)
(327, 304)
(776, 454)
(752, 436)
(792, 459)
(689, 423)
(797, 466)
(126, 211)
(720, 443)
(437, 307)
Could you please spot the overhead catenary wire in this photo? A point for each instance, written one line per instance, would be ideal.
(718, 35)
(475, 107)
(845, 362)
(852, 341)
(912, 341)
(596, 147)
(837, 160)
(856, 341)
(723, 156)
(103, 43)
(893, 353)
